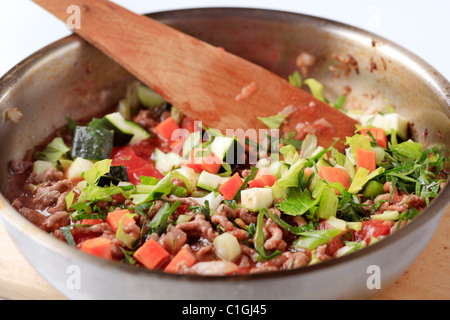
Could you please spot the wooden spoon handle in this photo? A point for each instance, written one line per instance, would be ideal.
(206, 83)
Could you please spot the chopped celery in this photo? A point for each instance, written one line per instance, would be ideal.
(328, 204)
(362, 177)
(386, 215)
(311, 240)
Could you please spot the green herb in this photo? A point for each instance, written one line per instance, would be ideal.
(296, 79)
(204, 210)
(340, 102)
(286, 226)
(128, 256)
(289, 139)
(71, 124)
(297, 202)
(259, 238)
(159, 222)
(316, 89)
(349, 208)
(273, 122)
(68, 234)
(144, 208)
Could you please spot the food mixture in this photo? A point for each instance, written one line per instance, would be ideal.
(152, 188)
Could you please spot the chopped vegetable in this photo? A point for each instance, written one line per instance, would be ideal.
(231, 187)
(92, 144)
(151, 254)
(366, 159)
(114, 218)
(227, 247)
(166, 128)
(184, 257)
(264, 178)
(378, 134)
(335, 174)
(214, 204)
(273, 122)
(100, 247)
(54, 151)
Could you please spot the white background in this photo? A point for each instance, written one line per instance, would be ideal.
(420, 26)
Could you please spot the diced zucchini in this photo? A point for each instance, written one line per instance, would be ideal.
(390, 122)
(40, 166)
(78, 167)
(255, 199)
(228, 149)
(125, 131)
(149, 98)
(209, 181)
(92, 143)
(372, 189)
(166, 162)
(193, 141)
(227, 247)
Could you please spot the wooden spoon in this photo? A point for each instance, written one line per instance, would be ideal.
(206, 83)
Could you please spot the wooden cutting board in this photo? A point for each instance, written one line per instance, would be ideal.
(427, 278)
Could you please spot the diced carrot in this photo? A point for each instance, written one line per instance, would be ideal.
(263, 179)
(91, 221)
(200, 162)
(114, 217)
(231, 186)
(151, 254)
(378, 133)
(334, 174)
(183, 256)
(100, 247)
(166, 128)
(366, 159)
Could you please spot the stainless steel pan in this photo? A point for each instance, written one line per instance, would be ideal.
(71, 78)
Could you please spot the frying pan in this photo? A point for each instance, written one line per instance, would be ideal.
(70, 78)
